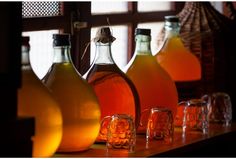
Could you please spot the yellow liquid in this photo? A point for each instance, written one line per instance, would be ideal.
(35, 100)
(154, 85)
(181, 64)
(79, 107)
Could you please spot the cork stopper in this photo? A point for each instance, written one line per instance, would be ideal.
(104, 35)
(25, 41)
(61, 39)
(172, 18)
(140, 31)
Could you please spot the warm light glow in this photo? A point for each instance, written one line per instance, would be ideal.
(35, 100)
(181, 64)
(178, 121)
(121, 132)
(114, 93)
(80, 135)
(50, 136)
(79, 107)
(154, 85)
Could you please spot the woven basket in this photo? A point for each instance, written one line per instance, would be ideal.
(205, 32)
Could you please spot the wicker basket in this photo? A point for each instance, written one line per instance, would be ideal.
(205, 32)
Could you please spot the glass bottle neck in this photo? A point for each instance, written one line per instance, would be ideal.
(25, 61)
(142, 44)
(103, 53)
(172, 29)
(61, 54)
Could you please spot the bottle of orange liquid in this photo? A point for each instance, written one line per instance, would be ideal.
(183, 66)
(115, 91)
(155, 86)
(78, 102)
(35, 100)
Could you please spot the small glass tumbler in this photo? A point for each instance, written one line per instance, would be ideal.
(195, 116)
(220, 109)
(160, 125)
(121, 133)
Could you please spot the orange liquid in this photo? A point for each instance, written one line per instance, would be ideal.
(154, 85)
(116, 93)
(79, 106)
(178, 121)
(181, 64)
(35, 100)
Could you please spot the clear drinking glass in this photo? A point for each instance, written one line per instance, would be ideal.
(121, 132)
(220, 108)
(195, 115)
(160, 125)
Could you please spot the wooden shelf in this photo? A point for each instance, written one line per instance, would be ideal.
(220, 141)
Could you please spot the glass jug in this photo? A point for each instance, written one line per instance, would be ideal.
(78, 102)
(155, 86)
(115, 91)
(182, 65)
(35, 100)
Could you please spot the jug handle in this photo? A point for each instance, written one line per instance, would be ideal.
(183, 103)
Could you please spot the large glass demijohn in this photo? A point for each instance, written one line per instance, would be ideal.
(182, 65)
(155, 86)
(78, 102)
(35, 100)
(115, 91)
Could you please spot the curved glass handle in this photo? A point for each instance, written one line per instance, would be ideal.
(102, 137)
(206, 98)
(105, 121)
(183, 103)
(141, 124)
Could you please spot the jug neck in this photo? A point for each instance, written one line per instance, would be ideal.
(172, 29)
(103, 53)
(61, 47)
(143, 46)
(25, 49)
(61, 54)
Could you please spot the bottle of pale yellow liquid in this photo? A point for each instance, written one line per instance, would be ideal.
(154, 85)
(182, 65)
(78, 102)
(35, 100)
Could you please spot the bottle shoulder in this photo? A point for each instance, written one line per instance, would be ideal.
(106, 72)
(30, 78)
(147, 65)
(33, 88)
(174, 51)
(68, 87)
(62, 71)
(171, 44)
(65, 75)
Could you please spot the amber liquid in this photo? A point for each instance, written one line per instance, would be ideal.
(79, 107)
(181, 64)
(154, 85)
(183, 67)
(116, 93)
(35, 100)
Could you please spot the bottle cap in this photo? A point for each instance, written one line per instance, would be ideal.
(25, 41)
(61, 39)
(172, 18)
(104, 35)
(139, 31)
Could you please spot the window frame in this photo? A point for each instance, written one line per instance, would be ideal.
(81, 12)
